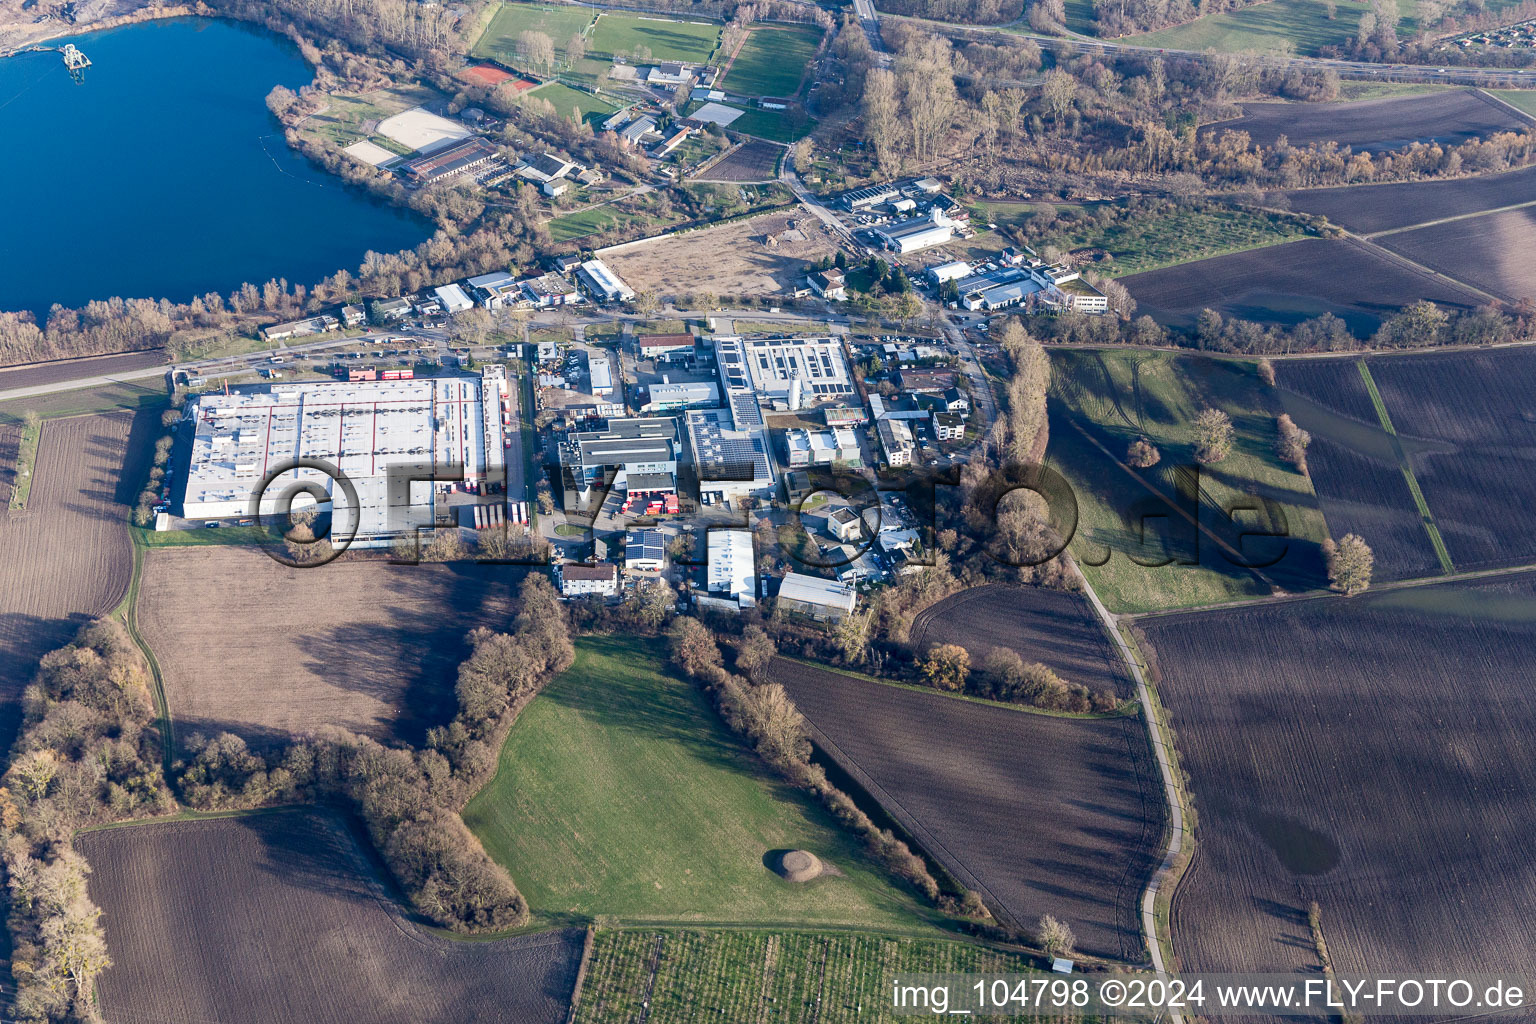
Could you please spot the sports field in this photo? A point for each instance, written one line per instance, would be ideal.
(621, 794)
(775, 125)
(652, 38)
(772, 61)
(568, 101)
(558, 21)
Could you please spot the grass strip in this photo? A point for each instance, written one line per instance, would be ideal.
(1428, 517)
(26, 458)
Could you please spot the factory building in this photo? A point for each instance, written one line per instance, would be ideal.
(905, 236)
(730, 450)
(732, 566)
(366, 429)
(602, 283)
(816, 597)
(788, 373)
(639, 447)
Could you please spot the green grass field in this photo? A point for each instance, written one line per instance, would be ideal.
(125, 395)
(626, 35)
(1522, 99)
(1118, 396)
(774, 125)
(1148, 242)
(737, 976)
(773, 61)
(558, 21)
(583, 223)
(26, 459)
(1298, 26)
(620, 794)
(568, 102)
(201, 537)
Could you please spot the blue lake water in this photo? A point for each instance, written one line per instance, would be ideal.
(163, 175)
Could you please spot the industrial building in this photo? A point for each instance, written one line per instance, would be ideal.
(874, 195)
(300, 328)
(664, 346)
(645, 551)
(730, 450)
(732, 566)
(833, 446)
(671, 397)
(496, 290)
(788, 373)
(550, 289)
(633, 447)
(602, 283)
(453, 298)
(904, 236)
(601, 376)
(366, 429)
(816, 597)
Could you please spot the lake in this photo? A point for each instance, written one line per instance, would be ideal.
(164, 175)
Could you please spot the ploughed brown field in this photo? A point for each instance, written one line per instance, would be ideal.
(67, 556)
(280, 917)
(254, 647)
(1040, 814)
(1496, 252)
(1375, 754)
(34, 374)
(754, 161)
(1286, 284)
(1371, 208)
(1448, 118)
(1055, 627)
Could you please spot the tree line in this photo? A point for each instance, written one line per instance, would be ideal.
(89, 752)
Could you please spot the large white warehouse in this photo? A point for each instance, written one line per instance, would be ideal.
(438, 425)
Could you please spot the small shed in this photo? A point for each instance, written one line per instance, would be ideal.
(1061, 965)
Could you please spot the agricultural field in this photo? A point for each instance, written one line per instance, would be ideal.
(772, 61)
(1056, 627)
(558, 21)
(67, 557)
(728, 259)
(1495, 252)
(1355, 466)
(1370, 754)
(798, 977)
(621, 794)
(753, 162)
(10, 454)
(648, 38)
(37, 374)
(1301, 27)
(359, 644)
(280, 916)
(1448, 118)
(1040, 814)
(1367, 209)
(1148, 242)
(1135, 536)
(1286, 284)
(1469, 414)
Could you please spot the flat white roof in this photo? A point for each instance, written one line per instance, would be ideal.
(817, 591)
(363, 428)
(453, 298)
(732, 563)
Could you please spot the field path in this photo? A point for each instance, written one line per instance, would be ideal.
(1161, 750)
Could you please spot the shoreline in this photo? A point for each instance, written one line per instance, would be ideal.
(59, 29)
